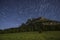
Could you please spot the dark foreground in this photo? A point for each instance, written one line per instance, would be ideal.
(49, 35)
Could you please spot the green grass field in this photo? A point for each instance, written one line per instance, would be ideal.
(52, 35)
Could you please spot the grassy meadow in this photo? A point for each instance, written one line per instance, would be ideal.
(49, 35)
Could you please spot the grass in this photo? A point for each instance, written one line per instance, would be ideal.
(50, 35)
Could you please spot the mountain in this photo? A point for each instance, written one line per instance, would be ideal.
(40, 23)
(36, 24)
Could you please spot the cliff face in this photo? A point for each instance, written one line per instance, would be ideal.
(44, 21)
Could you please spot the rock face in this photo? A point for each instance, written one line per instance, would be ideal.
(44, 21)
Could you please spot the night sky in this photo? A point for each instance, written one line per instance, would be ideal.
(15, 12)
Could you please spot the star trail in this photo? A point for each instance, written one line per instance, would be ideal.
(15, 12)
